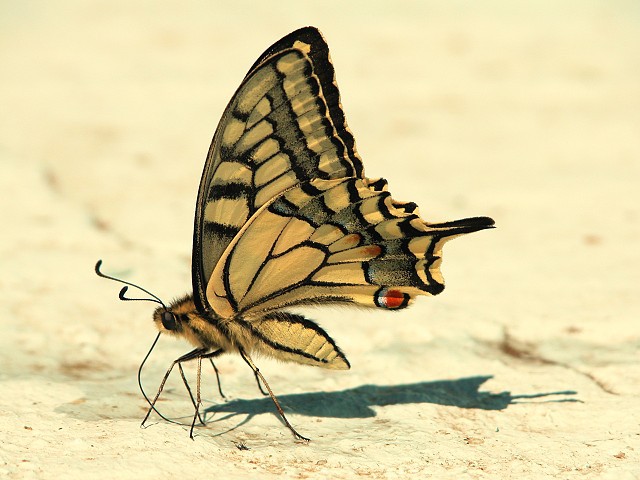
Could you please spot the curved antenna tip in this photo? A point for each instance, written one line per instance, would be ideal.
(124, 289)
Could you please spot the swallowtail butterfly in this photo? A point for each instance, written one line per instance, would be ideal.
(286, 217)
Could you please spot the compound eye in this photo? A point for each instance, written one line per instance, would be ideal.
(169, 321)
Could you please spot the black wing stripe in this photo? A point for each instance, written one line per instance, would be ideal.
(231, 190)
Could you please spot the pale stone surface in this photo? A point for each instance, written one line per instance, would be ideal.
(526, 366)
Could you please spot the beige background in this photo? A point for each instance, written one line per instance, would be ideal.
(527, 365)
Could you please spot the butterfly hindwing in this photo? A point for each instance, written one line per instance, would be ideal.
(332, 241)
(290, 337)
(284, 126)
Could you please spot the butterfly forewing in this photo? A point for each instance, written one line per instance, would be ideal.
(284, 126)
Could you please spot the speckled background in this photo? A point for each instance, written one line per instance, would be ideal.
(527, 365)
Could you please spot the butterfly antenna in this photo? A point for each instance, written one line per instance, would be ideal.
(146, 357)
(144, 360)
(124, 289)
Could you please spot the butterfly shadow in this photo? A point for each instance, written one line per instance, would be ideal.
(359, 402)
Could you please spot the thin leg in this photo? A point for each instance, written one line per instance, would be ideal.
(198, 352)
(260, 385)
(215, 369)
(186, 384)
(198, 398)
(259, 375)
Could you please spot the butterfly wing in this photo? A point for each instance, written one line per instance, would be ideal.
(332, 241)
(283, 126)
(290, 338)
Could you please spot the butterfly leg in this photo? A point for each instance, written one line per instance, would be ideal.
(215, 369)
(259, 375)
(260, 385)
(198, 398)
(198, 352)
(195, 404)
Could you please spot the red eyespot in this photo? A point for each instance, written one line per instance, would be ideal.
(391, 298)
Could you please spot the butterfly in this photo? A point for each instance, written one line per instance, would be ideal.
(286, 217)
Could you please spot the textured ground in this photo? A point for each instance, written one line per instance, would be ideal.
(527, 365)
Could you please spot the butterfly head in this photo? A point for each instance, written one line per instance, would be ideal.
(175, 318)
(168, 319)
(182, 319)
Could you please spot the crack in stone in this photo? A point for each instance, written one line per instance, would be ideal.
(526, 352)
